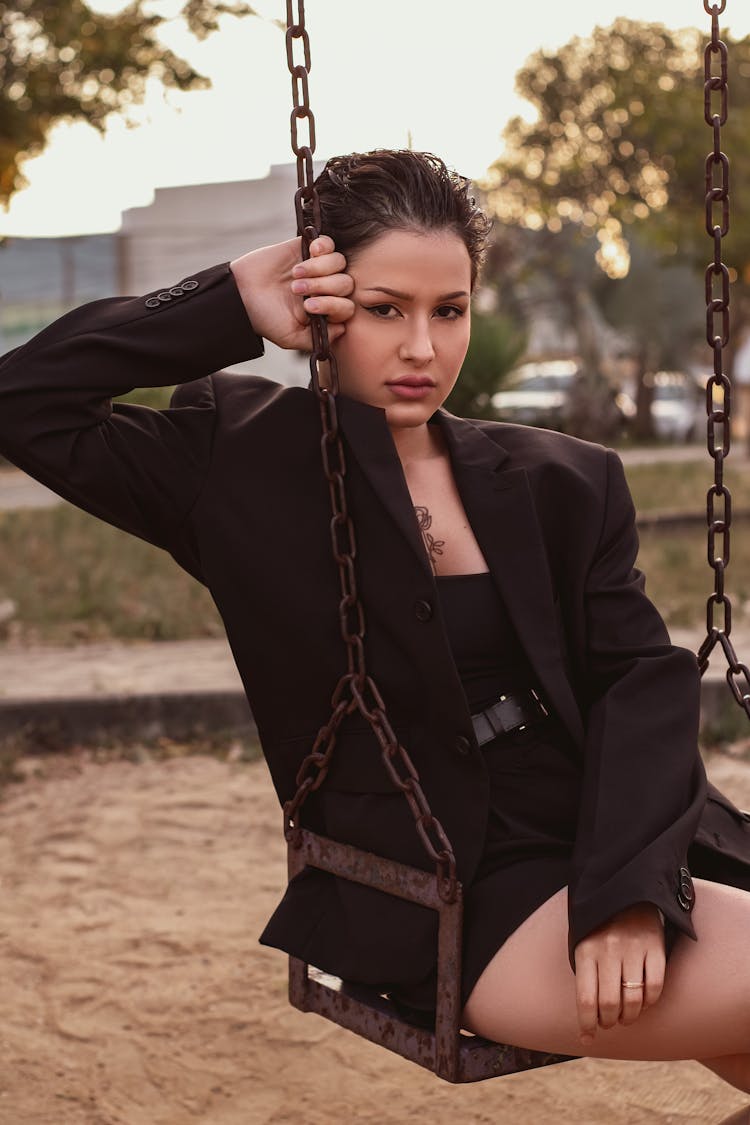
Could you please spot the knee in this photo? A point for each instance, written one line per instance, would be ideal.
(734, 1069)
(741, 1117)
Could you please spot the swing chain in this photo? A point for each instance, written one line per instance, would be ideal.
(355, 686)
(718, 387)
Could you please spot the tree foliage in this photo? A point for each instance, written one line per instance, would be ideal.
(62, 61)
(620, 138)
(659, 305)
(616, 160)
(497, 344)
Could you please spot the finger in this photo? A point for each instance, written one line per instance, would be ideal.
(632, 998)
(335, 332)
(323, 244)
(332, 262)
(610, 991)
(337, 309)
(337, 285)
(654, 974)
(587, 998)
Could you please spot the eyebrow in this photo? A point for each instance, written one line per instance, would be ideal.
(408, 297)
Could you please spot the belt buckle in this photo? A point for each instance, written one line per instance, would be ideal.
(542, 708)
(516, 726)
(488, 723)
(484, 729)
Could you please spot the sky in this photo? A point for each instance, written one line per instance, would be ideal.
(434, 74)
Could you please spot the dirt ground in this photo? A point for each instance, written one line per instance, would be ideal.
(135, 993)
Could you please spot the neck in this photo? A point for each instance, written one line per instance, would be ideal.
(417, 443)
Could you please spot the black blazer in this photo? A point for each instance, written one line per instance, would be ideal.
(229, 481)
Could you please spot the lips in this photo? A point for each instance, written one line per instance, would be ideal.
(411, 381)
(411, 387)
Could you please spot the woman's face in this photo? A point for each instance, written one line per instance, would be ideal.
(403, 347)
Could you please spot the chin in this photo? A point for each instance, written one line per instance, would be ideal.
(407, 414)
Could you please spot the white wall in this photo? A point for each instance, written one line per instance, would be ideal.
(188, 228)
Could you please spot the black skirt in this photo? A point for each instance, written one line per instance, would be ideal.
(527, 851)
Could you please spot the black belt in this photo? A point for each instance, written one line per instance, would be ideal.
(511, 712)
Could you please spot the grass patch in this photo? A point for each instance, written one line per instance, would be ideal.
(155, 397)
(73, 577)
(683, 485)
(21, 758)
(679, 580)
(728, 734)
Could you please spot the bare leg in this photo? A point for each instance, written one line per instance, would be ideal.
(734, 1069)
(526, 995)
(741, 1117)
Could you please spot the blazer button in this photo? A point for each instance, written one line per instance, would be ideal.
(686, 891)
(165, 297)
(153, 303)
(463, 746)
(177, 291)
(187, 285)
(422, 610)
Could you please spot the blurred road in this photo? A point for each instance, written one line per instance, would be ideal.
(18, 490)
(202, 665)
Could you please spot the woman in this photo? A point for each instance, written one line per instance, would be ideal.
(533, 683)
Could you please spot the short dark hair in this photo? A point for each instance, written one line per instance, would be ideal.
(366, 194)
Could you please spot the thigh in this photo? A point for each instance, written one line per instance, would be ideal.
(526, 995)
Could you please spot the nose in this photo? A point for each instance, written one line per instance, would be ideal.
(416, 345)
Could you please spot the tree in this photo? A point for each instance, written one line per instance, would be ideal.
(62, 61)
(497, 344)
(660, 307)
(619, 146)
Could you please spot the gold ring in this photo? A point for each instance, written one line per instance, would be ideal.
(632, 984)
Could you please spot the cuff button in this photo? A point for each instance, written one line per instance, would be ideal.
(188, 285)
(422, 610)
(153, 303)
(164, 297)
(463, 746)
(177, 291)
(686, 891)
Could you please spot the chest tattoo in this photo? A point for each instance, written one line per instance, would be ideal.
(433, 546)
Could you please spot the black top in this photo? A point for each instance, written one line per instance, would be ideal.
(484, 642)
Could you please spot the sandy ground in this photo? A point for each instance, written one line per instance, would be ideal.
(196, 665)
(134, 990)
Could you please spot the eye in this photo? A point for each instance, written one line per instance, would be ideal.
(382, 312)
(449, 312)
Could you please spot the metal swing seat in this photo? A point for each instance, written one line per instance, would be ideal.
(449, 1052)
(453, 1055)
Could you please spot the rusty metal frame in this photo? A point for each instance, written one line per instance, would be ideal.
(451, 1053)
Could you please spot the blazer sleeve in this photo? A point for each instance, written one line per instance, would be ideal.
(644, 784)
(137, 468)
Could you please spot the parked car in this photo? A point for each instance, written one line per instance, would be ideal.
(539, 394)
(678, 408)
(536, 394)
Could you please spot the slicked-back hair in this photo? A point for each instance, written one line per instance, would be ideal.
(367, 194)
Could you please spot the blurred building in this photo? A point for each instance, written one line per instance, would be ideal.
(182, 231)
(41, 278)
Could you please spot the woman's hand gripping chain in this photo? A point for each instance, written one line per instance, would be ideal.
(619, 969)
(279, 290)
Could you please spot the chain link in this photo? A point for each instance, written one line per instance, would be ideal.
(718, 388)
(356, 690)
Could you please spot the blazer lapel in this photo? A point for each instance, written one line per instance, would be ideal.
(500, 508)
(501, 511)
(369, 438)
